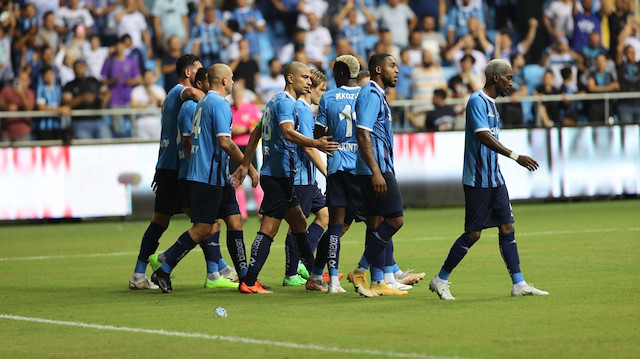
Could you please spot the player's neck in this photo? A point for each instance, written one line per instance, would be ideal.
(306, 97)
(184, 82)
(490, 91)
(378, 80)
(289, 89)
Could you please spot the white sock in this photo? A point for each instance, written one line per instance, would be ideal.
(315, 277)
(334, 281)
(138, 276)
(226, 270)
(519, 285)
(290, 276)
(389, 278)
(213, 276)
(161, 257)
(398, 274)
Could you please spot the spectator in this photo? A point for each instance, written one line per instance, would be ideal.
(346, 22)
(96, 56)
(269, 85)
(121, 73)
(364, 76)
(467, 46)
(64, 61)
(17, 97)
(442, 117)
(305, 7)
(43, 7)
(245, 118)
(399, 19)
(527, 10)
(49, 98)
(79, 41)
(47, 34)
(362, 6)
(600, 81)
(135, 53)
(286, 14)
(86, 93)
(617, 21)
(415, 49)
(479, 33)
(568, 110)
(506, 14)
(630, 36)
(433, 40)
(168, 62)
(424, 80)
(287, 51)
(457, 25)
(388, 46)
(250, 23)
(209, 37)
(405, 74)
(244, 67)
(27, 21)
(464, 83)
(558, 18)
(45, 58)
(511, 112)
(504, 48)
(548, 109)
(69, 17)
(6, 65)
(591, 51)
(318, 42)
(558, 57)
(629, 76)
(130, 21)
(170, 19)
(343, 47)
(104, 12)
(148, 95)
(586, 22)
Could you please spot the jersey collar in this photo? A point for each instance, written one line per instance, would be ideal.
(305, 102)
(487, 96)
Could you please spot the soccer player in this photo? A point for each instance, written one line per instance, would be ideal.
(381, 199)
(165, 182)
(336, 118)
(212, 195)
(486, 198)
(306, 188)
(279, 140)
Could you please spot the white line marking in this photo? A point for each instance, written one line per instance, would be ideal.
(399, 239)
(225, 338)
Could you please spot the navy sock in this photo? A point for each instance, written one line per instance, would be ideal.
(259, 253)
(378, 241)
(237, 252)
(509, 252)
(456, 253)
(377, 267)
(388, 254)
(148, 245)
(291, 257)
(333, 259)
(211, 250)
(321, 253)
(304, 249)
(314, 232)
(177, 251)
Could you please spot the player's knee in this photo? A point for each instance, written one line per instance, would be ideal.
(474, 235)
(235, 222)
(322, 218)
(161, 219)
(396, 222)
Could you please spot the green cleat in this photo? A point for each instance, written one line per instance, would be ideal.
(221, 282)
(295, 281)
(154, 262)
(303, 272)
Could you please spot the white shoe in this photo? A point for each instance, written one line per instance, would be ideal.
(230, 273)
(526, 289)
(399, 286)
(408, 277)
(336, 289)
(441, 287)
(143, 283)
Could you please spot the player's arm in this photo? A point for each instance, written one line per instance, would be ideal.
(186, 144)
(323, 144)
(366, 151)
(488, 140)
(246, 166)
(191, 93)
(315, 158)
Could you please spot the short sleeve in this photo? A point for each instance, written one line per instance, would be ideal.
(321, 120)
(285, 111)
(222, 119)
(305, 117)
(477, 115)
(367, 109)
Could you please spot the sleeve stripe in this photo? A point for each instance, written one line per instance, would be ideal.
(283, 121)
(365, 128)
(223, 134)
(481, 129)
(320, 124)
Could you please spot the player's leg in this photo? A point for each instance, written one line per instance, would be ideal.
(294, 270)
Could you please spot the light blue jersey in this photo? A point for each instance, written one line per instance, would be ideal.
(337, 115)
(306, 174)
(279, 155)
(480, 162)
(52, 97)
(184, 128)
(373, 114)
(170, 137)
(209, 163)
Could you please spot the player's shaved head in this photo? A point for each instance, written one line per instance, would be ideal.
(496, 67)
(217, 72)
(294, 68)
(351, 63)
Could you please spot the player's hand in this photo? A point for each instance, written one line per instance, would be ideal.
(528, 162)
(238, 176)
(379, 185)
(323, 144)
(255, 176)
(154, 184)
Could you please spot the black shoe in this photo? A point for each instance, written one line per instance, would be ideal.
(162, 280)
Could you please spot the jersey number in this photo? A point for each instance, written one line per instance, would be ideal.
(346, 115)
(266, 125)
(195, 127)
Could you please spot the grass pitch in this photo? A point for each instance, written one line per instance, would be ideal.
(64, 294)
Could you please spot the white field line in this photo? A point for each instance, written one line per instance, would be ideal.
(243, 340)
(399, 239)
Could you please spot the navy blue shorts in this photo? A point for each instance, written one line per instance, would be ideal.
(486, 208)
(343, 190)
(310, 198)
(387, 206)
(205, 202)
(185, 193)
(229, 203)
(168, 192)
(279, 196)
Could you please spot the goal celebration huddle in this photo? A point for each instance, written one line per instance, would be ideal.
(354, 128)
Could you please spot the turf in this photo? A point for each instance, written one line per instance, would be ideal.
(585, 254)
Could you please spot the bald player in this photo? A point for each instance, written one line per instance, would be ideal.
(212, 195)
(279, 140)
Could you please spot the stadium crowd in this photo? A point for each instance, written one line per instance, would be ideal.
(93, 54)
